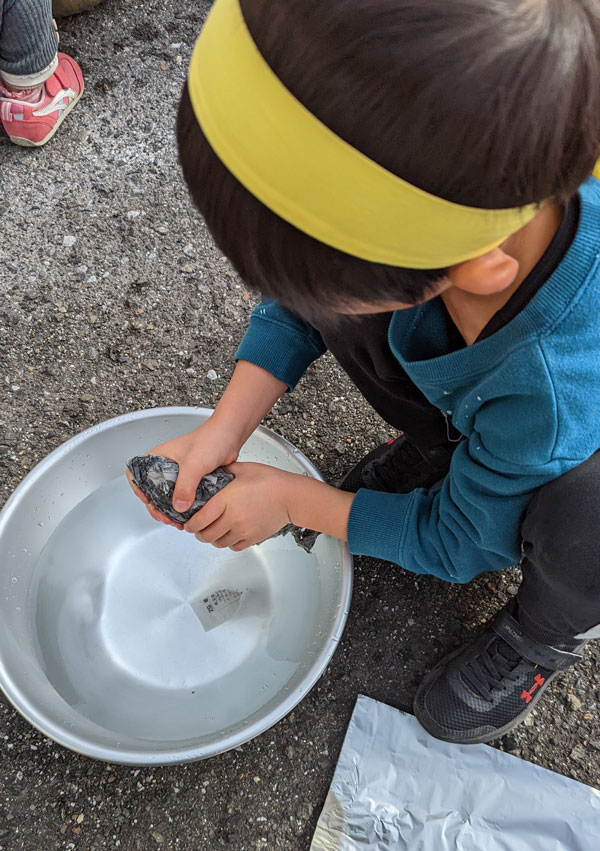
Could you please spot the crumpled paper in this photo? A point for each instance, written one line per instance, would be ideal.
(396, 788)
(155, 476)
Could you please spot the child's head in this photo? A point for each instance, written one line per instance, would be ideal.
(486, 103)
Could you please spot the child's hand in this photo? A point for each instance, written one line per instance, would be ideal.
(248, 510)
(198, 452)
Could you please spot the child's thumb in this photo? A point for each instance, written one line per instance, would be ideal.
(185, 488)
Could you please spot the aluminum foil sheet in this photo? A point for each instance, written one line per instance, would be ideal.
(396, 787)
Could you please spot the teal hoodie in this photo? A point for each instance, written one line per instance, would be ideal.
(527, 400)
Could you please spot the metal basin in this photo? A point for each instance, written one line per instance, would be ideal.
(130, 641)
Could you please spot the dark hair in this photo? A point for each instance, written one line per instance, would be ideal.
(489, 103)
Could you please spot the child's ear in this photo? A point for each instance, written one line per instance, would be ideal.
(490, 273)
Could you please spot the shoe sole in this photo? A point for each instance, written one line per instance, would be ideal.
(27, 143)
(475, 740)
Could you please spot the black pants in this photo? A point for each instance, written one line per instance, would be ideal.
(559, 597)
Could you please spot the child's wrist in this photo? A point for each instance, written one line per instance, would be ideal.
(315, 505)
(228, 430)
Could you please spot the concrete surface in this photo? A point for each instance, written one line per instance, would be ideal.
(114, 299)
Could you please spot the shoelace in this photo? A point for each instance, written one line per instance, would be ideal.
(495, 663)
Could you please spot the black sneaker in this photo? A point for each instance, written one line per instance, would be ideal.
(482, 691)
(399, 467)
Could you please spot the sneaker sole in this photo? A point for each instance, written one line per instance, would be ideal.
(27, 143)
(437, 733)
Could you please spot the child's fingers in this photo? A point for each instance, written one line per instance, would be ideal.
(228, 540)
(216, 530)
(213, 509)
(162, 518)
(186, 485)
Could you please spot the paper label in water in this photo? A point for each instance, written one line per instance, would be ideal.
(218, 607)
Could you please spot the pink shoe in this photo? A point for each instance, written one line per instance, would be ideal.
(31, 118)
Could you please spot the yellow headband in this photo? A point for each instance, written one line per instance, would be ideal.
(312, 178)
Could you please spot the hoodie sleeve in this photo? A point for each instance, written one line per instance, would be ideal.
(280, 342)
(471, 521)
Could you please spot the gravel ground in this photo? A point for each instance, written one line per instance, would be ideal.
(113, 299)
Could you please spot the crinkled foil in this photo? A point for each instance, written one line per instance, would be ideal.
(155, 476)
(396, 787)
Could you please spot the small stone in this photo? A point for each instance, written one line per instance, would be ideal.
(211, 375)
(132, 214)
(574, 702)
(158, 837)
(92, 353)
(178, 59)
(187, 268)
(290, 752)
(340, 448)
(92, 279)
(85, 397)
(256, 779)
(189, 249)
(509, 742)
(163, 229)
(512, 590)
(92, 318)
(81, 270)
(306, 811)
(528, 721)
(69, 240)
(151, 364)
(191, 371)
(595, 743)
(82, 136)
(79, 818)
(15, 387)
(577, 752)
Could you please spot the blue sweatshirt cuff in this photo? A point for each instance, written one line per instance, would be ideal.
(377, 524)
(278, 349)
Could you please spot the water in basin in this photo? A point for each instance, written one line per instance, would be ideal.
(148, 632)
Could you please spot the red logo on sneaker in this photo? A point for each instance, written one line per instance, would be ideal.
(538, 680)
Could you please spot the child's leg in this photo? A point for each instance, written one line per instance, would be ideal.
(360, 345)
(28, 46)
(490, 685)
(421, 457)
(38, 86)
(559, 598)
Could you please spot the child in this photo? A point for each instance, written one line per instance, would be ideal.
(38, 85)
(408, 185)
